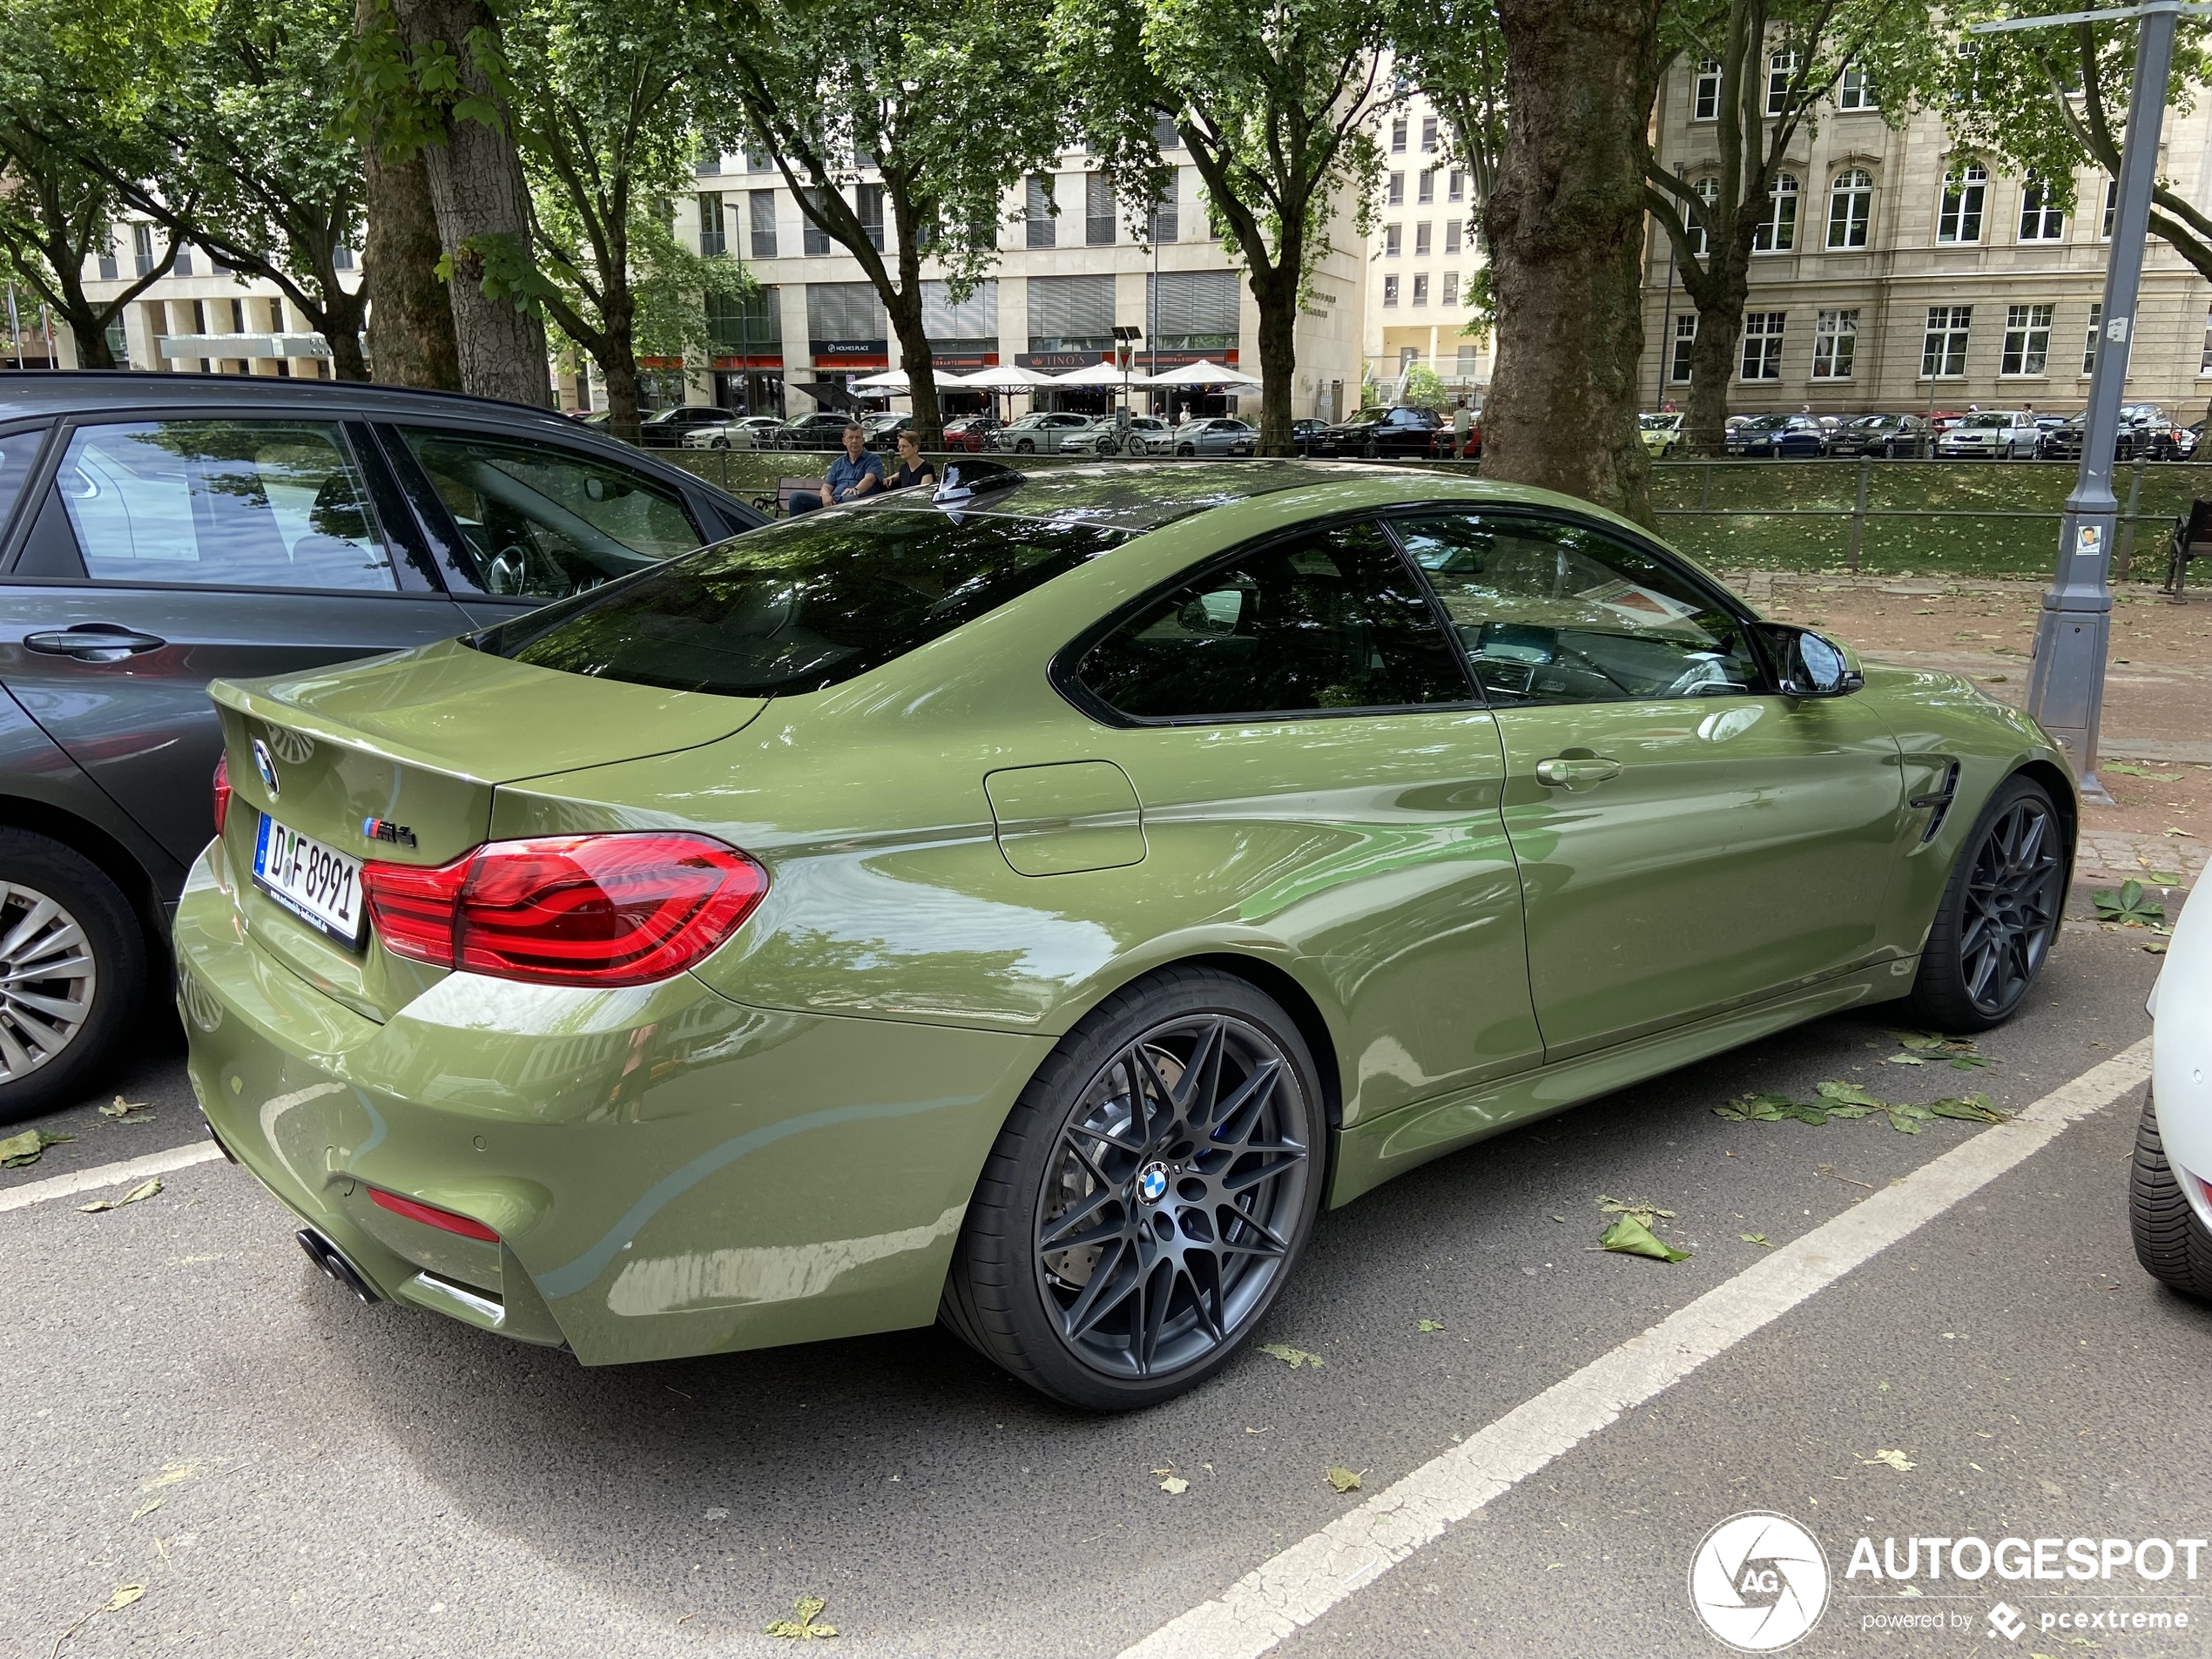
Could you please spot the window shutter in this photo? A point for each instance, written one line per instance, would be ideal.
(845, 311)
(1071, 307)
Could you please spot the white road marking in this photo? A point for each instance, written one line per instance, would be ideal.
(1298, 1586)
(108, 1175)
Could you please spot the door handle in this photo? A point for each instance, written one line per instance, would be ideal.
(1576, 772)
(93, 642)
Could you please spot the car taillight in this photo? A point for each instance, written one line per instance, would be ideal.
(222, 791)
(616, 909)
(430, 1216)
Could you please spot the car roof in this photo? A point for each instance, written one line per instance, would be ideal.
(33, 392)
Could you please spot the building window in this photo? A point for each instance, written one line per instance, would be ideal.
(1394, 240)
(1166, 134)
(710, 159)
(1451, 236)
(1037, 212)
(1408, 356)
(1450, 296)
(1964, 188)
(1705, 91)
(1777, 231)
(1398, 137)
(760, 210)
(1098, 210)
(1762, 345)
(1850, 204)
(1942, 348)
(813, 241)
(2089, 339)
(142, 246)
(1166, 227)
(1685, 348)
(758, 161)
(1708, 191)
(110, 269)
(2112, 207)
(2041, 218)
(342, 258)
(2204, 365)
(181, 265)
(1390, 289)
(1421, 241)
(2027, 340)
(712, 240)
(1856, 90)
(1835, 341)
(1398, 189)
(1781, 81)
(1420, 287)
(1428, 133)
(1425, 191)
(868, 207)
(1455, 186)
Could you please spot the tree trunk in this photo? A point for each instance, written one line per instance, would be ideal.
(483, 206)
(916, 356)
(619, 369)
(1277, 299)
(1712, 358)
(410, 318)
(1565, 226)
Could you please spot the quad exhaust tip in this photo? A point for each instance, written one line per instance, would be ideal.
(335, 1267)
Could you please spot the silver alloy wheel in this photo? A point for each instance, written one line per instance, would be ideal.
(48, 980)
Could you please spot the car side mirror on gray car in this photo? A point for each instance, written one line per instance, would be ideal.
(1808, 664)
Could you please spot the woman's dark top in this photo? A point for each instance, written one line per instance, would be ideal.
(906, 478)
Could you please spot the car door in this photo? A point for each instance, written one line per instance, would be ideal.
(1689, 839)
(1314, 764)
(519, 523)
(168, 551)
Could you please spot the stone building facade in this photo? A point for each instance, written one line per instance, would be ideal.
(1421, 261)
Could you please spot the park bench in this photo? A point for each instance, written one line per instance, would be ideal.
(780, 503)
(2192, 539)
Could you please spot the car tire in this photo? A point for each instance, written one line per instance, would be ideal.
(1025, 448)
(1145, 1203)
(1185, 450)
(2172, 1245)
(38, 874)
(717, 443)
(1999, 913)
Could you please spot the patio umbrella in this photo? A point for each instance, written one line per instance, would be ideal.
(891, 380)
(1201, 372)
(1007, 377)
(1094, 374)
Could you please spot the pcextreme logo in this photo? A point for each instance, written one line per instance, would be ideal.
(1759, 1581)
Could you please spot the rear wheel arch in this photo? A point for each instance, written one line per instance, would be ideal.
(114, 861)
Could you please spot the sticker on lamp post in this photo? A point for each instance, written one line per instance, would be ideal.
(2088, 541)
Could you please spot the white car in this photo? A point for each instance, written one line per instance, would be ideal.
(1990, 434)
(2169, 1207)
(744, 432)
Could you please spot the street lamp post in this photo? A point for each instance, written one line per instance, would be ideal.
(2066, 684)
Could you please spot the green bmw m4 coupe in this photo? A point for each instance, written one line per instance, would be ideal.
(1028, 905)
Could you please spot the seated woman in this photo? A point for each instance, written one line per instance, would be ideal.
(911, 469)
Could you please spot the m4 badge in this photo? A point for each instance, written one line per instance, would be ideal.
(382, 829)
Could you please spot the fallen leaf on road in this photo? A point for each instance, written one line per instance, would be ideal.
(1973, 1109)
(1175, 1486)
(1428, 1324)
(1760, 1239)
(146, 1508)
(1628, 1237)
(125, 1594)
(20, 1149)
(803, 1629)
(145, 1190)
(1294, 1357)
(1344, 1479)
(1894, 1458)
(2190, 833)
(1636, 1209)
(124, 1109)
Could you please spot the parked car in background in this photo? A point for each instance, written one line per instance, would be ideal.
(1038, 433)
(966, 432)
(1304, 432)
(823, 429)
(736, 432)
(1661, 434)
(1141, 435)
(2145, 434)
(1379, 434)
(2186, 438)
(1785, 436)
(664, 428)
(1990, 434)
(1218, 435)
(157, 530)
(1889, 437)
(2169, 1204)
(882, 431)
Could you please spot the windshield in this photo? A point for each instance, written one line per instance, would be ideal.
(1987, 420)
(1658, 422)
(801, 604)
(1771, 422)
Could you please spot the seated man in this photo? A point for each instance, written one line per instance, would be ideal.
(853, 475)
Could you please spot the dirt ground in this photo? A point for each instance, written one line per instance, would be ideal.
(2158, 687)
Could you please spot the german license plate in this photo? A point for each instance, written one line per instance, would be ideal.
(318, 884)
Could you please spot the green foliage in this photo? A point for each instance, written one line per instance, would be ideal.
(1421, 386)
(2127, 906)
(1455, 51)
(412, 96)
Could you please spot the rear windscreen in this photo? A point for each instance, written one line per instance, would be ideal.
(799, 605)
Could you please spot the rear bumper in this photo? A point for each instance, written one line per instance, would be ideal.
(669, 1172)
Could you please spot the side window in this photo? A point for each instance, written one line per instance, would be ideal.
(1554, 612)
(15, 450)
(224, 503)
(542, 523)
(1333, 620)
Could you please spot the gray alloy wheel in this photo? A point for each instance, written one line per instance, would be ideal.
(72, 966)
(1025, 448)
(1149, 1196)
(1998, 914)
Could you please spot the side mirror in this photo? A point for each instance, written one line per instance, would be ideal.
(1810, 664)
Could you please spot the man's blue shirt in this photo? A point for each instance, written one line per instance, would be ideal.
(845, 472)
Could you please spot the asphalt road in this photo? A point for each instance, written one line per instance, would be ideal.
(335, 1480)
